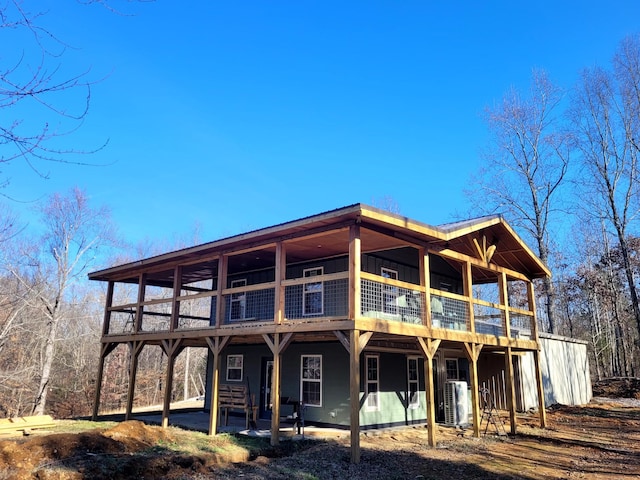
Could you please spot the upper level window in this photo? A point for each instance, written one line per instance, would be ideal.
(389, 292)
(412, 382)
(238, 300)
(312, 299)
(234, 368)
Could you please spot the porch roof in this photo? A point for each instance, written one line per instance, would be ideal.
(485, 236)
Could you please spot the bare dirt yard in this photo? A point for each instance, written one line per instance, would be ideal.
(597, 441)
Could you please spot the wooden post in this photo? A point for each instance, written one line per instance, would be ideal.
(354, 394)
(355, 266)
(281, 268)
(106, 324)
(510, 387)
(467, 280)
(473, 353)
(223, 261)
(171, 348)
(275, 391)
(135, 348)
(429, 348)
(105, 350)
(425, 281)
(542, 412)
(175, 303)
(215, 346)
(504, 301)
(142, 286)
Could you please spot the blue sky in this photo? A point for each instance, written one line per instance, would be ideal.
(239, 115)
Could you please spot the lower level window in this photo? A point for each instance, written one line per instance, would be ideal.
(234, 368)
(412, 382)
(311, 380)
(373, 384)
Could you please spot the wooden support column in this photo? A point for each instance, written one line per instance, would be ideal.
(429, 347)
(223, 262)
(277, 343)
(504, 301)
(142, 286)
(172, 349)
(175, 303)
(106, 323)
(105, 350)
(135, 348)
(281, 268)
(355, 265)
(510, 387)
(354, 394)
(473, 353)
(216, 345)
(542, 412)
(425, 281)
(467, 280)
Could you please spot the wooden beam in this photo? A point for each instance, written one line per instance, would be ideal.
(504, 300)
(175, 303)
(344, 340)
(473, 354)
(142, 285)
(363, 340)
(106, 323)
(425, 282)
(429, 348)
(354, 395)
(467, 282)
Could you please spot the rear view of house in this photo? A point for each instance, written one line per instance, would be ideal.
(364, 318)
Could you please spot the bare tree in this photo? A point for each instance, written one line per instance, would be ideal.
(74, 232)
(605, 117)
(526, 166)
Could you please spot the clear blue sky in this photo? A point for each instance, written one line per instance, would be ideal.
(239, 115)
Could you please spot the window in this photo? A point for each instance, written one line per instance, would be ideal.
(311, 380)
(389, 292)
(312, 299)
(413, 383)
(234, 368)
(373, 384)
(452, 368)
(238, 301)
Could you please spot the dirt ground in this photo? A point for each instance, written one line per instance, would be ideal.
(597, 441)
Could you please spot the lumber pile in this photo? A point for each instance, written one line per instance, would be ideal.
(25, 424)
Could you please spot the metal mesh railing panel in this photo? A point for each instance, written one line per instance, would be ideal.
(390, 302)
(489, 320)
(325, 299)
(449, 313)
(250, 306)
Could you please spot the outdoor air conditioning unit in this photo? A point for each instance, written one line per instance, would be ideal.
(456, 403)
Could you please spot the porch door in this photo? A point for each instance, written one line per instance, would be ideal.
(265, 388)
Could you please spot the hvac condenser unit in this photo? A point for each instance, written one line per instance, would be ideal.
(456, 403)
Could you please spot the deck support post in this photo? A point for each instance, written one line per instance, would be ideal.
(275, 391)
(542, 412)
(106, 349)
(429, 347)
(354, 394)
(510, 387)
(172, 349)
(472, 351)
(135, 347)
(216, 344)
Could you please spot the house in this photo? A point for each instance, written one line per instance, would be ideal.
(368, 318)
